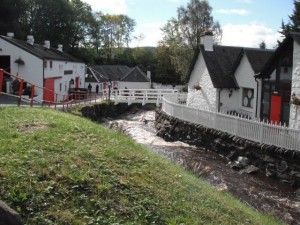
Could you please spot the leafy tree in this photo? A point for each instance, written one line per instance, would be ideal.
(262, 45)
(10, 14)
(182, 35)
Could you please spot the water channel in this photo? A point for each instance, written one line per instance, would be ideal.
(264, 194)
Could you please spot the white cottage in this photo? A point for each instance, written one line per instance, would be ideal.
(41, 65)
(117, 76)
(222, 78)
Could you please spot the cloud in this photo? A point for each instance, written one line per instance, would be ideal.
(233, 11)
(152, 34)
(245, 1)
(108, 6)
(249, 35)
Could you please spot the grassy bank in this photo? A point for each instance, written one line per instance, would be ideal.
(56, 168)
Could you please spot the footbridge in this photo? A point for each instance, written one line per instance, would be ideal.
(142, 96)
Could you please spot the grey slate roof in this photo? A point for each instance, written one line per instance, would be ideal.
(224, 60)
(104, 73)
(220, 64)
(41, 51)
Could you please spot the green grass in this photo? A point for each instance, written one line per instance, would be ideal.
(57, 168)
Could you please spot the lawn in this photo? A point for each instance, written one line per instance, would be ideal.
(57, 168)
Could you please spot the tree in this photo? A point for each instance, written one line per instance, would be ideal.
(294, 23)
(262, 45)
(182, 35)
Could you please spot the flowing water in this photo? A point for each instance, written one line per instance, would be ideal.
(263, 194)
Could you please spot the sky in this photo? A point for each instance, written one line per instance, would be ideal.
(244, 23)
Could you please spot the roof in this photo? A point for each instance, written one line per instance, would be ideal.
(220, 63)
(104, 73)
(41, 51)
(285, 47)
(224, 60)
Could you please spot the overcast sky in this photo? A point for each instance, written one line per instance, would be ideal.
(244, 22)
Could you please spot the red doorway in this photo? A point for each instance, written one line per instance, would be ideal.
(49, 90)
(275, 110)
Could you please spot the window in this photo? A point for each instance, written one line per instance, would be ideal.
(248, 98)
(60, 68)
(68, 72)
(51, 64)
(285, 69)
(60, 87)
(45, 64)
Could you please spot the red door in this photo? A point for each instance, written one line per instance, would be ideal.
(275, 114)
(49, 90)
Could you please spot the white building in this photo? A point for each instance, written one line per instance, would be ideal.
(117, 76)
(222, 78)
(42, 66)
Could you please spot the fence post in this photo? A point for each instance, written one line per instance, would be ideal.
(261, 132)
(32, 95)
(1, 79)
(20, 92)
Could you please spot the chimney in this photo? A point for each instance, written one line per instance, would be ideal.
(30, 39)
(60, 48)
(10, 34)
(47, 44)
(207, 39)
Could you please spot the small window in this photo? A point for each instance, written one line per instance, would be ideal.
(45, 64)
(60, 68)
(60, 87)
(51, 64)
(285, 69)
(248, 98)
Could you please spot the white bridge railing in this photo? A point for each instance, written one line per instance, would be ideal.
(142, 96)
(260, 132)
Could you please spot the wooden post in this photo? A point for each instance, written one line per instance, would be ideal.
(20, 92)
(32, 95)
(1, 80)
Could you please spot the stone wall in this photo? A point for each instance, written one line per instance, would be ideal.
(244, 155)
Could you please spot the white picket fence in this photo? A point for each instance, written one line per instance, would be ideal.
(142, 96)
(261, 132)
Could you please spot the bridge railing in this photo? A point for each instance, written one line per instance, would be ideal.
(23, 92)
(142, 96)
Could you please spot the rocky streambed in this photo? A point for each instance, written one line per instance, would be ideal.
(250, 185)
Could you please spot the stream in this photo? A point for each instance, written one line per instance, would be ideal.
(264, 194)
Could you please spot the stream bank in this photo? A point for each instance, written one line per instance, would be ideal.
(265, 194)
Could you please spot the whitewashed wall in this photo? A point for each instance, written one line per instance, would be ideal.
(295, 110)
(134, 85)
(31, 71)
(207, 96)
(245, 78)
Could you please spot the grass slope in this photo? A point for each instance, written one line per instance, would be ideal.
(56, 168)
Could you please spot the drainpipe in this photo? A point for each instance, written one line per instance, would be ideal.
(256, 96)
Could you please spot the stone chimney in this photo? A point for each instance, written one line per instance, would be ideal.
(47, 44)
(60, 48)
(10, 34)
(207, 39)
(30, 39)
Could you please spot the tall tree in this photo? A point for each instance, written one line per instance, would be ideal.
(182, 35)
(294, 23)
(262, 45)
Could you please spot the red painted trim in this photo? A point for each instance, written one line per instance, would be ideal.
(1, 79)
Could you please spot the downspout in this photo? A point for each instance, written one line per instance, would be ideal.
(256, 96)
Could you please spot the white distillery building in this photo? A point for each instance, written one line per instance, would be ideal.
(41, 65)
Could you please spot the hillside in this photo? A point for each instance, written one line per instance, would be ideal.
(57, 168)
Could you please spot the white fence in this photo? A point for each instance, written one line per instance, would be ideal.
(142, 96)
(252, 130)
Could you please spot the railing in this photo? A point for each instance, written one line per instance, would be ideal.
(31, 95)
(256, 131)
(142, 96)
